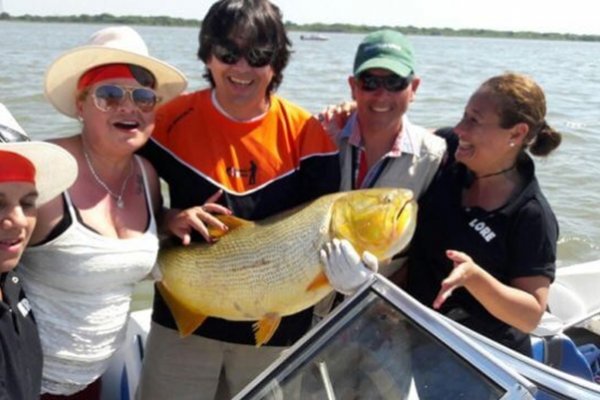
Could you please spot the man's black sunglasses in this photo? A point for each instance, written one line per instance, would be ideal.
(230, 53)
(391, 83)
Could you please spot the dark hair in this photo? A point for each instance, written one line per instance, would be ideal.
(256, 22)
(520, 99)
(142, 75)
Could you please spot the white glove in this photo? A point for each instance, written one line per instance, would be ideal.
(156, 274)
(344, 268)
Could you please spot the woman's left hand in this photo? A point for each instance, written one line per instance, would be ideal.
(464, 267)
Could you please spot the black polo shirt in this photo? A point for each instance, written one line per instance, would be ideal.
(20, 348)
(516, 240)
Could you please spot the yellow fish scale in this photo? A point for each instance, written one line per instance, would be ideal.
(273, 262)
(261, 271)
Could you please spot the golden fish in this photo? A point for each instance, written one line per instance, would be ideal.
(263, 270)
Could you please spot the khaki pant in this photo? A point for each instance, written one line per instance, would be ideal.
(198, 368)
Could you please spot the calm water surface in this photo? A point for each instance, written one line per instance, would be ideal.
(450, 68)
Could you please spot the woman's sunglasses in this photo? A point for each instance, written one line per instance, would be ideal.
(111, 97)
(391, 83)
(229, 53)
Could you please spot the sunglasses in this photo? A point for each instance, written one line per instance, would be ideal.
(230, 54)
(111, 97)
(391, 83)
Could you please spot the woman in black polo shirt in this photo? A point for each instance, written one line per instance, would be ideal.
(484, 250)
(31, 173)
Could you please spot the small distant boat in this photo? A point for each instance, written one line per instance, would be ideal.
(315, 36)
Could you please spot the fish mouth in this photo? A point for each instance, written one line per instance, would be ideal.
(380, 221)
(407, 230)
(401, 211)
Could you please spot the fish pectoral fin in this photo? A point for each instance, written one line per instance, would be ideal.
(231, 222)
(319, 282)
(265, 328)
(187, 320)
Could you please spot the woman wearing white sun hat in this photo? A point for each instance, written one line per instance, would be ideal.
(31, 173)
(95, 242)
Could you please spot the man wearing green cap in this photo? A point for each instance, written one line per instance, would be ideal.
(379, 146)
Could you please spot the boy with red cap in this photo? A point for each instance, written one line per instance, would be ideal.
(31, 173)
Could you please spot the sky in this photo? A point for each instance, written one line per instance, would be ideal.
(573, 16)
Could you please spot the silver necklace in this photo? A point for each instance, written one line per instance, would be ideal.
(117, 197)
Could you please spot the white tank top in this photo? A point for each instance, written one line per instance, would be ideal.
(80, 285)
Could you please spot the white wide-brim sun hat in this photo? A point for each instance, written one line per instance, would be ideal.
(55, 168)
(113, 45)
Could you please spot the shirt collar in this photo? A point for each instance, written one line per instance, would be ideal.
(526, 168)
(10, 288)
(406, 140)
(215, 102)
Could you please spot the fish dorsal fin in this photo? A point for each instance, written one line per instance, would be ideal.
(231, 222)
(265, 328)
(187, 320)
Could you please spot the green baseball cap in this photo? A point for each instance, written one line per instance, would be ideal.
(386, 49)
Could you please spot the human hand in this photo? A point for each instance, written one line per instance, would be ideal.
(462, 270)
(344, 268)
(182, 222)
(333, 118)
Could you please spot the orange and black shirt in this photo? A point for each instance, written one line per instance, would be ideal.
(264, 166)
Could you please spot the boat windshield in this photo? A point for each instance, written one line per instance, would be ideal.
(374, 351)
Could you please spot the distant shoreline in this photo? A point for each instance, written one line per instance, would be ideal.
(316, 27)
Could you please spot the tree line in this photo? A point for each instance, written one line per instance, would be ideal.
(315, 27)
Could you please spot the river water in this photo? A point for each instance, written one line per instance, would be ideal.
(450, 69)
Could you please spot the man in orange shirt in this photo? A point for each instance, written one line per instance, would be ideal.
(261, 154)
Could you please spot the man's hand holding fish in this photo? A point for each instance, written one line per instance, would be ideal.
(345, 269)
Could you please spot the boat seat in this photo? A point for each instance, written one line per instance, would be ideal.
(560, 352)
